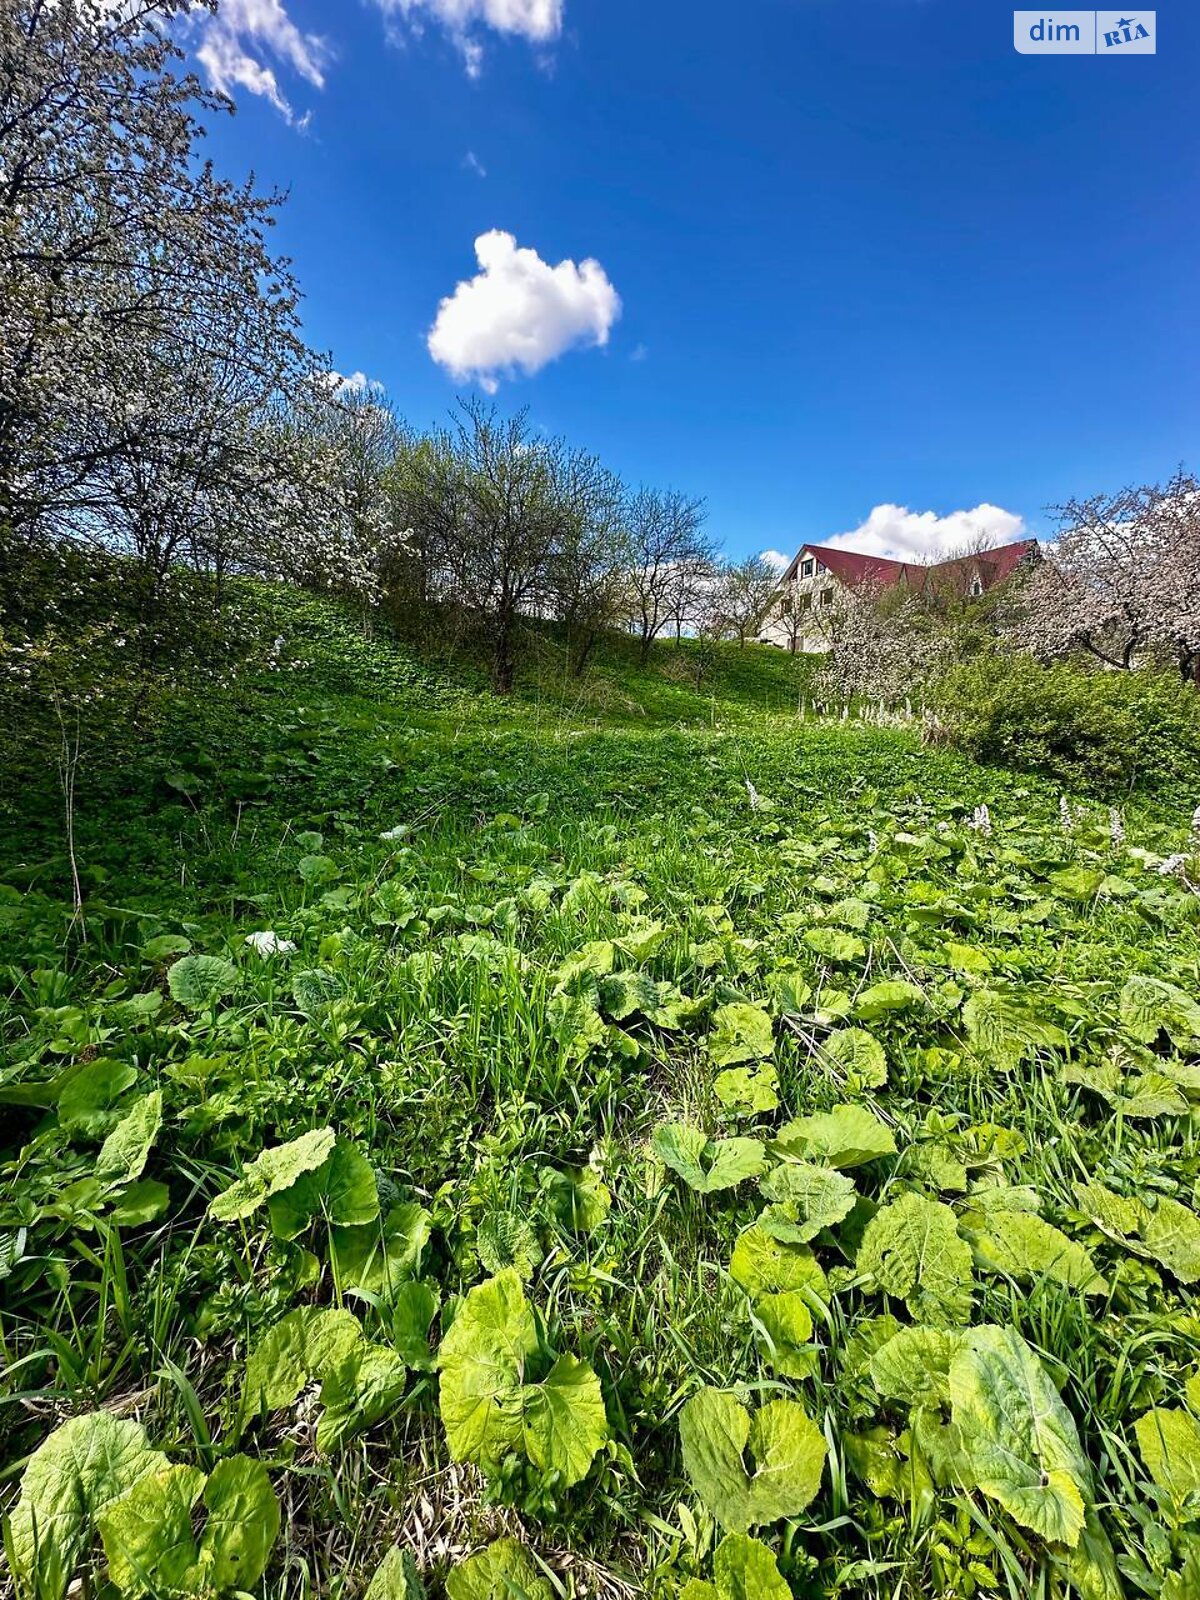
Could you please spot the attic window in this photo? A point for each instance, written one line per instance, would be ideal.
(821, 569)
(806, 567)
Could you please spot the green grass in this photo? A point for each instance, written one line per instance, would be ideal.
(467, 1037)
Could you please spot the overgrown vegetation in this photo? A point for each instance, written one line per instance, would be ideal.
(617, 1139)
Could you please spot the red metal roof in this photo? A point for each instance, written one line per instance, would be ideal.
(852, 567)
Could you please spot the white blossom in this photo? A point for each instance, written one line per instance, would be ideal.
(981, 821)
(268, 944)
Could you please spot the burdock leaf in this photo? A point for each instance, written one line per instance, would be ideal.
(743, 1033)
(70, 1480)
(1169, 1442)
(200, 981)
(707, 1165)
(1018, 1435)
(847, 1136)
(763, 1265)
(482, 1361)
(859, 1055)
(787, 1447)
(341, 1190)
(914, 1366)
(1150, 1006)
(151, 1544)
(270, 1172)
(912, 1250)
(504, 1571)
(1025, 1246)
(806, 1199)
(396, 1578)
(565, 1421)
(377, 1257)
(126, 1150)
(1172, 1236)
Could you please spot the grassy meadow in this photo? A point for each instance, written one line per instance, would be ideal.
(626, 1139)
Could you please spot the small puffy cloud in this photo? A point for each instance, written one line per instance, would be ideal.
(518, 313)
(473, 164)
(776, 559)
(538, 21)
(638, 353)
(238, 45)
(342, 385)
(905, 535)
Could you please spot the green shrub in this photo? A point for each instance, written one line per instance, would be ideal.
(1089, 728)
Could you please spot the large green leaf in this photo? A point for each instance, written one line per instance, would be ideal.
(396, 1578)
(765, 1265)
(912, 1250)
(360, 1382)
(69, 1482)
(846, 1136)
(1149, 1006)
(1003, 1032)
(787, 1327)
(341, 1191)
(271, 1171)
(1026, 1246)
(835, 945)
(504, 1571)
(743, 1569)
(914, 1366)
(200, 981)
(565, 1422)
(125, 1152)
(704, 1164)
(1169, 1442)
(88, 1097)
(805, 1200)
(742, 1033)
(1171, 1233)
(858, 1056)
(787, 1447)
(886, 997)
(414, 1305)
(750, 1091)
(1019, 1436)
(487, 1408)
(151, 1545)
(377, 1257)
(482, 1361)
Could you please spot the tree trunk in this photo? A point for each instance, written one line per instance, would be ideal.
(503, 665)
(582, 658)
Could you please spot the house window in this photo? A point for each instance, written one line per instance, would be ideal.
(976, 587)
(822, 569)
(787, 605)
(806, 568)
(806, 602)
(826, 597)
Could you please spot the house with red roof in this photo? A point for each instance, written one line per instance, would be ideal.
(808, 588)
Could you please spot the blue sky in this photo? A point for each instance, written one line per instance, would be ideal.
(866, 255)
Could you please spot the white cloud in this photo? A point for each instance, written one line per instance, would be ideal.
(518, 312)
(237, 44)
(340, 384)
(776, 559)
(906, 535)
(473, 164)
(638, 353)
(538, 21)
